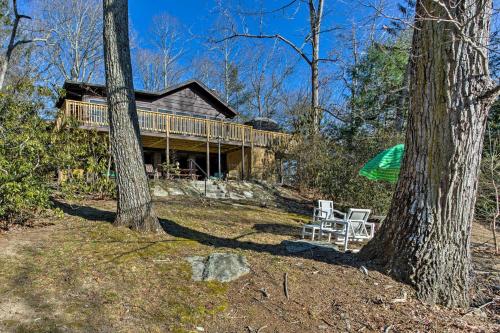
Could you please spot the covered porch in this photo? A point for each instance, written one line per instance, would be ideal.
(213, 158)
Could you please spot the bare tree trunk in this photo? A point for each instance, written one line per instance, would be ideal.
(12, 43)
(493, 155)
(316, 111)
(135, 208)
(495, 217)
(3, 70)
(426, 236)
(226, 73)
(313, 38)
(399, 117)
(315, 16)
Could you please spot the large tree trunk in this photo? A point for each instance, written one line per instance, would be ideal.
(425, 238)
(134, 199)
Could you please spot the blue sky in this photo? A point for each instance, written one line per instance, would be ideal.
(198, 16)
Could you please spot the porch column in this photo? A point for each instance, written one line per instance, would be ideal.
(167, 149)
(242, 153)
(250, 171)
(208, 148)
(218, 158)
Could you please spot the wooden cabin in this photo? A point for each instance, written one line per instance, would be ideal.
(184, 123)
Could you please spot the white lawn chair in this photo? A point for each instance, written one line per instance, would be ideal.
(324, 210)
(321, 216)
(354, 227)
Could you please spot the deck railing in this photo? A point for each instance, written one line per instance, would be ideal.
(96, 115)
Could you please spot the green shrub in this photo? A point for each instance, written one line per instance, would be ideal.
(82, 158)
(329, 169)
(34, 150)
(23, 157)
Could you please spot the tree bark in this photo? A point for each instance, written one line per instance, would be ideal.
(425, 240)
(399, 116)
(135, 208)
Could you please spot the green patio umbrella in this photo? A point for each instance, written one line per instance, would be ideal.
(384, 166)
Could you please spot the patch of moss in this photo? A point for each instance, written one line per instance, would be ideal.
(216, 288)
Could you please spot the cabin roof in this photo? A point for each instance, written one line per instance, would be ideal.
(75, 89)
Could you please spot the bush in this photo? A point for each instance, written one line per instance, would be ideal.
(23, 158)
(82, 161)
(330, 170)
(33, 150)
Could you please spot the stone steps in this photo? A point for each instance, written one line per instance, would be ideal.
(215, 190)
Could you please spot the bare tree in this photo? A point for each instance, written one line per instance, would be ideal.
(149, 69)
(135, 207)
(221, 70)
(268, 71)
(166, 36)
(206, 70)
(74, 49)
(425, 238)
(14, 41)
(157, 67)
(312, 58)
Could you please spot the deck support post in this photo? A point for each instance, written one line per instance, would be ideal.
(242, 153)
(167, 146)
(250, 169)
(218, 158)
(208, 149)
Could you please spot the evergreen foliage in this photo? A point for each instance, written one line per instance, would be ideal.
(34, 150)
(24, 157)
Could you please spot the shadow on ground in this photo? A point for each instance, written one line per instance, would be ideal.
(277, 229)
(327, 255)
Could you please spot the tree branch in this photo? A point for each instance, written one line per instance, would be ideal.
(276, 36)
(272, 11)
(327, 59)
(491, 94)
(336, 116)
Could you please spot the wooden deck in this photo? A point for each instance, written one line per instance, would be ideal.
(91, 115)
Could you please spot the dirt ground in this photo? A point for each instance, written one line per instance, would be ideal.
(79, 273)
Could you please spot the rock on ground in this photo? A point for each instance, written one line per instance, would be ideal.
(159, 192)
(223, 267)
(296, 246)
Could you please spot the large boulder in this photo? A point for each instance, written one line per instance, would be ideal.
(222, 267)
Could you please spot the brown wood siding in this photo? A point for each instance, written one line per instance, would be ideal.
(186, 100)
